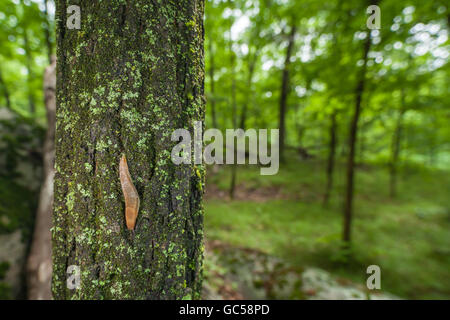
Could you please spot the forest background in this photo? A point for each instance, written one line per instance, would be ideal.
(352, 104)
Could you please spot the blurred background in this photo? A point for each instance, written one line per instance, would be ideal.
(306, 67)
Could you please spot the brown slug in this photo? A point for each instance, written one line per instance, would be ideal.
(130, 194)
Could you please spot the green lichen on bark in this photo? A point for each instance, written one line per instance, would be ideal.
(131, 75)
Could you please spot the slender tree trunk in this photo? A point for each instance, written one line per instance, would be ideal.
(234, 119)
(251, 71)
(285, 90)
(47, 29)
(132, 75)
(396, 142)
(362, 145)
(39, 266)
(233, 181)
(300, 127)
(331, 158)
(212, 83)
(5, 91)
(28, 64)
(359, 91)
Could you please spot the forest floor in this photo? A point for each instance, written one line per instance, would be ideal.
(234, 273)
(281, 218)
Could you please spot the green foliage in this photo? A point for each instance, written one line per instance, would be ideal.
(406, 87)
(407, 57)
(24, 54)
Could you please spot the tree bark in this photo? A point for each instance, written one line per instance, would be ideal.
(331, 157)
(359, 91)
(39, 265)
(285, 90)
(132, 75)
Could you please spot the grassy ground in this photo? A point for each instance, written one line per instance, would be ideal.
(283, 215)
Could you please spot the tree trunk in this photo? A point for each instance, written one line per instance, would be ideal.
(5, 91)
(285, 90)
(47, 29)
(362, 145)
(39, 265)
(331, 157)
(348, 206)
(234, 119)
(251, 71)
(233, 181)
(132, 75)
(211, 78)
(396, 141)
(28, 64)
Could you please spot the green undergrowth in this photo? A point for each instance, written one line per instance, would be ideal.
(408, 236)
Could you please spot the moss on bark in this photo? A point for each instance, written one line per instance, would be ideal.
(132, 74)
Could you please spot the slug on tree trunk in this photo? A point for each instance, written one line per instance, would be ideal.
(130, 194)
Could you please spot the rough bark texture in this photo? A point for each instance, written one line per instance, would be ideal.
(285, 90)
(39, 265)
(125, 81)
